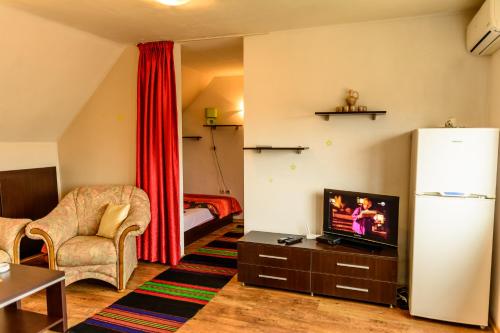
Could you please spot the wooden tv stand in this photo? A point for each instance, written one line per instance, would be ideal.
(315, 268)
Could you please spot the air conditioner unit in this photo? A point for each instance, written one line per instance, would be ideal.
(483, 32)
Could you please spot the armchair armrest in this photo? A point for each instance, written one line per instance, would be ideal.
(56, 228)
(11, 233)
(132, 226)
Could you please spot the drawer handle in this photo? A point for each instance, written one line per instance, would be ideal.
(352, 266)
(339, 286)
(272, 257)
(262, 276)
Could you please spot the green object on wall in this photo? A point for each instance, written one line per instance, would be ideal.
(211, 115)
(211, 112)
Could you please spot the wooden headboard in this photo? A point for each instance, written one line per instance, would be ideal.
(28, 193)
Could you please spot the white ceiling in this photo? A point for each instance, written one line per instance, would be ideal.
(132, 21)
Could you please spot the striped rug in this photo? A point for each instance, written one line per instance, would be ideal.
(165, 303)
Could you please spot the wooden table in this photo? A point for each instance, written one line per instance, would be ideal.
(22, 281)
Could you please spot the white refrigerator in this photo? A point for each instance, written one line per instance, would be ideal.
(451, 230)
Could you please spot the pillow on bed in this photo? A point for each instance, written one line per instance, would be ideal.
(112, 219)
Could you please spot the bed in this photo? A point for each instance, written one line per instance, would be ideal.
(204, 213)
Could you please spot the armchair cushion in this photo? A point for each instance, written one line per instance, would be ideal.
(4, 256)
(91, 203)
(112, 219)
(60, 225)
(86, 251)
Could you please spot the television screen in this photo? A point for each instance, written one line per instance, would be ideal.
(364, 216)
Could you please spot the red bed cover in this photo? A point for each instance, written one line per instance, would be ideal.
(219, 205)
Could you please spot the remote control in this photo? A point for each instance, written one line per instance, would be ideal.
(293, 240)
(283, 239)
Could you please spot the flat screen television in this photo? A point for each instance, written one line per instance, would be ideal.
(361, 216)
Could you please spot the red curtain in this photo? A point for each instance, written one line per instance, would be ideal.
(158, 152)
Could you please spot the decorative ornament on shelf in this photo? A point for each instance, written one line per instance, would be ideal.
(451, 123)
(351, 100)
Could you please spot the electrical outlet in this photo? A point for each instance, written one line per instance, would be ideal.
(228, 191)
(221, 191)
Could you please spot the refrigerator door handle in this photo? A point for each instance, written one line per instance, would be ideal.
(454, 195)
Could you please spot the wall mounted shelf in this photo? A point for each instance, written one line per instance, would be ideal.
(193, 137)
(236, 126)
(259, 150)
(374, 114)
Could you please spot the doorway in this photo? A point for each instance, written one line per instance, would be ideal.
(212, 130)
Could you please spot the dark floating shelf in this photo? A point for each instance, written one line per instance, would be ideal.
(259, 150)
(197, 138)
(374, 114)
(236, 126)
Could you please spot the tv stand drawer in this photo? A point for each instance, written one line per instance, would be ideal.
(309, 266)
(282, 256)
(353, 265)
(274, 277)
(359, 289)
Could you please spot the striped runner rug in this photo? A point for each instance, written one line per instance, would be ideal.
(166, 302)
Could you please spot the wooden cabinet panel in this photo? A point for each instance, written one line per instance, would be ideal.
(311, 267)
(274, 277)
(353, 288)
(29, 193)
(354, 266)
(274, 256)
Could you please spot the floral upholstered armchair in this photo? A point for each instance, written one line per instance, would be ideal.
(69, 233)
(11, 233)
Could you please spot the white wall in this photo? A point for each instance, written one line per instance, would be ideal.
(494, 90)
(178, 88)
(200, 172)
(99, 145)
(417, 69)
(28, 155)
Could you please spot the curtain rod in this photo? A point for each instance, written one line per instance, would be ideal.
(218, 37)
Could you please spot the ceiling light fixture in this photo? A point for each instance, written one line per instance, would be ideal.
(173, 2)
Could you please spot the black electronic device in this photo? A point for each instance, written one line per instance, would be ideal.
(294, 240)
(283, 239)
(332, 240)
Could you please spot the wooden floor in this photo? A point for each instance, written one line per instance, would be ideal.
(248, 309)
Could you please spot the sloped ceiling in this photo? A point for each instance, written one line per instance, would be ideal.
(144, 20)
(204, 60)
(52, 59)
(215, 57)
(47, 73)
